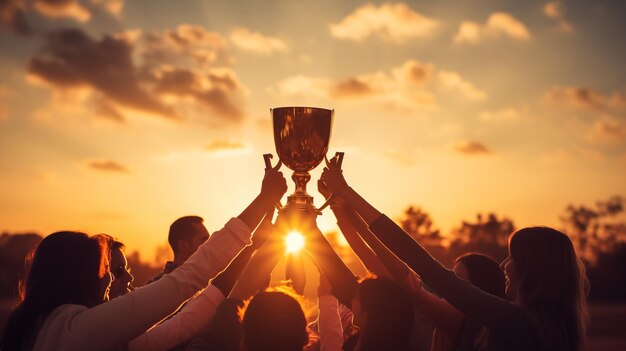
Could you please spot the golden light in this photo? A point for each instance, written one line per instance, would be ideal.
(294, 242)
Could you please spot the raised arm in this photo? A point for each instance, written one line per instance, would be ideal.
(200, 310)
(364, 253)
(342, 280)
(135, 312)
(497, 314)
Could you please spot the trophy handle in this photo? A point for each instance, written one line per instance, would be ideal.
(268, 165)
(339, 156)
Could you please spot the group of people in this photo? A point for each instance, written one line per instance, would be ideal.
(215, 294)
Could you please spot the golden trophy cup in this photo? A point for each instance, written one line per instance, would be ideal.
(301, 135)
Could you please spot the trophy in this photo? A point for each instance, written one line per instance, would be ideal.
(301, 135)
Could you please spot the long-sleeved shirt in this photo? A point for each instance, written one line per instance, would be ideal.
(329, 324)
(511, 327)
(183, 326)
(112, 325)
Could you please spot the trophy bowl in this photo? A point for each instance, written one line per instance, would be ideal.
(301, 135)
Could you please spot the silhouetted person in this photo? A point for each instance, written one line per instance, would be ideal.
(118, 265)
(545, 281)
(274, 321)
(453, 330)
(62, 307)
(185, 236)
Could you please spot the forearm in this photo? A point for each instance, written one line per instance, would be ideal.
(258, 208)
(128, 316)
(183, 326)
(365, 210)
(491, 311)
(329, 324)
(360, 248)
(254, 276)
(393, 265)
(342, 280)
(226, 280)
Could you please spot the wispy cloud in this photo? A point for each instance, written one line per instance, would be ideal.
(396, 23)
(63, 9)
(247, 40)
(13, 16)
(586, 98)
(556, 10)
(607, 130)
(499, 24)
(454, 81)
(107, 166)
(409, 86)
(221, 145)
(470, 148)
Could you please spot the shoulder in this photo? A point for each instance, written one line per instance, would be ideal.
(55, 330)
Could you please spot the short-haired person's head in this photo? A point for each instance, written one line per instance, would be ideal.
(66, 268)
(383, 311)
(274, 321)
(483, 272)
(547, 278)
(185, 236)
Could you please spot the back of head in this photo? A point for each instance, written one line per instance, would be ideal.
(274, 321)
(484, 272)
(551, 285)
(388, 312)
(183, 229)
(66, 269)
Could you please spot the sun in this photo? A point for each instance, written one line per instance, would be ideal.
(294, 242)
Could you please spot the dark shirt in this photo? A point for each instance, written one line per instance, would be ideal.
(510, 327)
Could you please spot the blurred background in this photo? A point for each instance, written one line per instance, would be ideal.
(461, 120)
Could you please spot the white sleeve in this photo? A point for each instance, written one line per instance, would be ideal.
(329, 324)
(182, 326)
(126, 317)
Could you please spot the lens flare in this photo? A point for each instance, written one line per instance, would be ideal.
(294, 242)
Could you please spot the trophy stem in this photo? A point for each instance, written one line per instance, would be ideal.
(300, 198)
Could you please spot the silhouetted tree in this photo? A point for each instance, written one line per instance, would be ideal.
(489, 237)
(596, 230)
(418, 223)
(599, 234)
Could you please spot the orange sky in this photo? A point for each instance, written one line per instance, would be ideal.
(120, 116)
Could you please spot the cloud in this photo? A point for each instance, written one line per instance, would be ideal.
(471, 148)
(143, 72)
(107, 166)
(217, 89)
(402, 157)
(555, 10)
(607, 131)
(409, 86)
(71, 59)
(247, 40)
(114, 7)
(454, 81)
(13, 16)
(220, 145)
(499, 24)
(586, 98)
(395, 23)
(63, 9)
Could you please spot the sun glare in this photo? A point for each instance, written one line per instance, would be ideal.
(294, 242)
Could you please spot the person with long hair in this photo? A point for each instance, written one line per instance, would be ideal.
(69, 279)
(118, 265)
(545, 281)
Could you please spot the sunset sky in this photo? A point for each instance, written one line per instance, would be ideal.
(120, 116)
